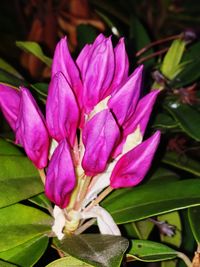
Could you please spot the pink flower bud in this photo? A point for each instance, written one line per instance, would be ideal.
(60, 179)
(31, 131)
(62, 112)
(100, 135)
(9, 104)
(133, 166)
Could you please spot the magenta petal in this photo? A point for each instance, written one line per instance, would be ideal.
(121, 65)
(133, 166)
(100, 135)
(31, 131)
(62, 112)
(98, 75)
(9, 104)
(142, 113)
(63, 62)
(60, 180)
(85, 54)
(123, 101)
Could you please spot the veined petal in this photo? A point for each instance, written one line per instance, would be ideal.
(133, 166)
(61, 178)
(123, 101)
(85, 54)
(105, 222)
(63, 62)
(62, 112)
(31, 131)
(98, 75)
(121, 65)
(100, 135)
(9, 104)
(142, 113)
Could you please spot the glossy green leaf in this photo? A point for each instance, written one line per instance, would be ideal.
(19, 179)
(140, 36)
(41, 89)
(163, 175)
(194, 219)
(7, 264)
(28, 253)
(7, 148)
(98, 250)
(187, 117)
(188, 75)
(133, 204)
(8, 68)
(173, 219)
(149, 251)
(20, 223)
(164, 121)
(8, 78)
(85, 35)
(141, 229)
(170, 66)
(188, 241)
(42, 201)
(169, 263)
(182, 161)
(68, 261)
(34, 49)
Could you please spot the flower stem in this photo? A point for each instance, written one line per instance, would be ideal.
(42, 175)
(106, 192)
(144, 49)
(185, 259)
(82, 192)
(85, 226)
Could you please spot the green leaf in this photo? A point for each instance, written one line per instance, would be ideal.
(149, 251)
(98, 250)
(34, 49)
(8, 68)
(164, 121)
(85, 35)
(133, 204)
(9, 79)
(141, 38)
(187, 117)
(194, 219)
(170, 66)
(41, 89)
(19, 179)
(68, 261)
(163, 175)
(28, 253)
(7, 148)
(182, 161)
(6, 264)
(172, 218)
(169, 263)
(188, 75)
(141, 229)
(20, 223)
(42, 201)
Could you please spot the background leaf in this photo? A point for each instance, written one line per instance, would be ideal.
(150, 251)
(194, 219)
(126, 205)
(95, 249)
(28, 253)
(34, 49)
(68, 261)
(20, 223)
